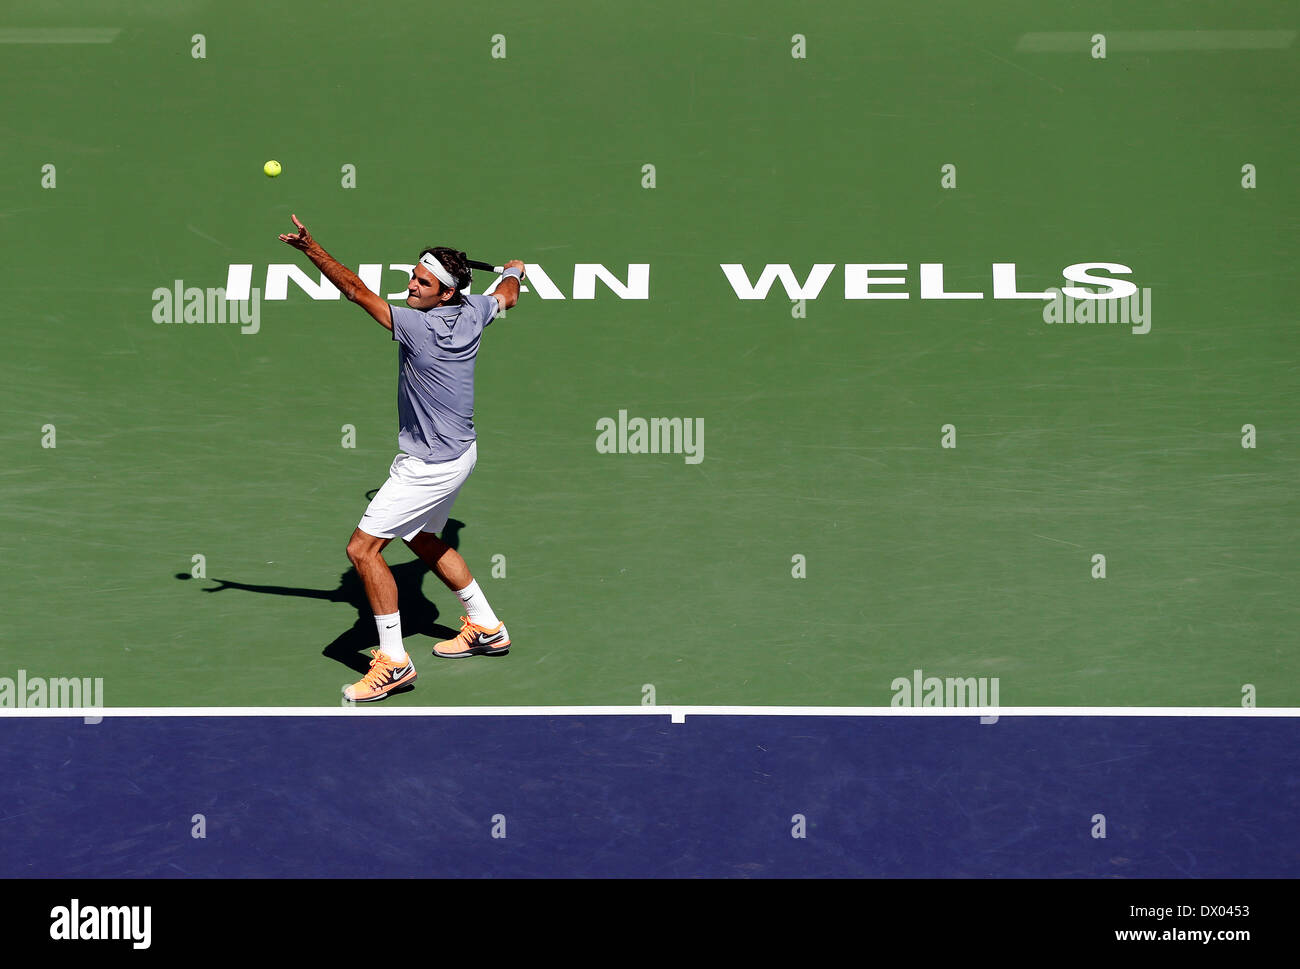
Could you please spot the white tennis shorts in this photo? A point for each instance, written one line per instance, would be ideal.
(417, 496)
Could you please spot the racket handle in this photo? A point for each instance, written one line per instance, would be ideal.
(480, 265)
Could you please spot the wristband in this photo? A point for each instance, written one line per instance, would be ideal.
(514, 272)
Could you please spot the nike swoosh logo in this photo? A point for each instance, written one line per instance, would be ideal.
(390, 627)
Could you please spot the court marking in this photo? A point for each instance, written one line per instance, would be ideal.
(677, 713)
(59, 35)
(1075, 41)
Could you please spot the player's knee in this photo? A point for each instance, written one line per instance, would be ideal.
(359, 550)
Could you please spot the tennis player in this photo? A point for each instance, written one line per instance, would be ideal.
(438, 334)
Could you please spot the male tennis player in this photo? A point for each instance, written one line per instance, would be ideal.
(438, 333)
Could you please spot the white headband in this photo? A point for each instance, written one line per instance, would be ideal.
(430, 263)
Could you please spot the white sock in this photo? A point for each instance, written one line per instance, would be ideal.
(390, 635)
(477, 608)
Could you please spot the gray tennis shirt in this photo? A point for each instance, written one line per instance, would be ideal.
(435, 382)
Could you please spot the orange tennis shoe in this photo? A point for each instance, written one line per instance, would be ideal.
(475, 640)
(385, 676)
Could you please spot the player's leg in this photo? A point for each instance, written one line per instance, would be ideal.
(391, 668)
(481, 632)
(444, 561)
(400, 507)
(366, 554)
(390, 510)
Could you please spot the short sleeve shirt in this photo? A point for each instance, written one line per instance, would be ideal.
(435, 382)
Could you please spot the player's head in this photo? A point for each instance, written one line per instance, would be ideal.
(438, 278)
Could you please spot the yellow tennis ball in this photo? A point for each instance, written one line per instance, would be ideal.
(272, 168)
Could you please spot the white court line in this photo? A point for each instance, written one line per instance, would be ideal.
(678, 713)
(1077, 41)
(59, 35)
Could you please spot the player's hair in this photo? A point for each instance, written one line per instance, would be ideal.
(455, 262)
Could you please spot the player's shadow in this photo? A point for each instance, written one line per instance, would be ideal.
(352, 647)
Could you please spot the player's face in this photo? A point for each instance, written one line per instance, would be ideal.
(425, 291)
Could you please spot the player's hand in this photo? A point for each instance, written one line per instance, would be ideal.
(516, 262)
(302, 240)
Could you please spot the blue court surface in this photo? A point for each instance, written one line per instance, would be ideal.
(641, 796)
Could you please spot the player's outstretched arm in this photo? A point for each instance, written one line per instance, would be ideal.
(507, 291)
(347, 282)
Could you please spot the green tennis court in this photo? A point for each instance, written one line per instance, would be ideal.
(826, 541)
